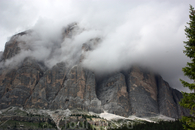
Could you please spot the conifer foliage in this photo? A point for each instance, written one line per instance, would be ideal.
(188, 100)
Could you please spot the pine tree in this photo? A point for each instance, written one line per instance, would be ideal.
(188, 100)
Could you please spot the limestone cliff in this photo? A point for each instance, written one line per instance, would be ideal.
(18, 84)
(142, 92)
(114, 96)
(135, 91)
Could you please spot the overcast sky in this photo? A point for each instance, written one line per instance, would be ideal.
(149, 32)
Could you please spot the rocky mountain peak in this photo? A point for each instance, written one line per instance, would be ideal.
(135, 91)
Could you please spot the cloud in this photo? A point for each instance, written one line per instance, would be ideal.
(150, 33)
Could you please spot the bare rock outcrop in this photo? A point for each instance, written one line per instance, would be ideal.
(78, 91)
(12, 47)
(167, 105)
(114, 96)
(177, 96)
(48, 87)
(136, 91)
(168, 100)
(18, 84)
(142, 92)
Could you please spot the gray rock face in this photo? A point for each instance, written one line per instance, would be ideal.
(78, 91)
(71, 30)
(114, 96)
(48, 87)
(6, 79)
(12, 47)
(142, 92)
(30, 84)
(89, 46)
(177, 96)
(18, 84)
(167, 105)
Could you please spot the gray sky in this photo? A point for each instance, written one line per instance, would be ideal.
(149, 32)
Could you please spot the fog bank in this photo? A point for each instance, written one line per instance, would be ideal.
(150, 33)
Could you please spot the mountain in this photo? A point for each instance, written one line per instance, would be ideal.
(30, 83)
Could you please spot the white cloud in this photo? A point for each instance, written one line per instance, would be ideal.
(146, 32)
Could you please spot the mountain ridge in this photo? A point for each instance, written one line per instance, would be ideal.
(134, 91)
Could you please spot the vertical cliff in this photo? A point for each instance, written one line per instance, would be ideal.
(48, 87)
(136, 91)
(113, 94)
(18, 84)
(142, 92)
(78, 91)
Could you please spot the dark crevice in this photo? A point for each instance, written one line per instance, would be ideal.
(157, 84)
(126, 74)
(174, 97)
(100, 79)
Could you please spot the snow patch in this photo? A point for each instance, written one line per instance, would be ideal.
(154, 119)
(110, 116)
(133, 117)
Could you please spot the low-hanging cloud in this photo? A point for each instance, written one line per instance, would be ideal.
(149, 33)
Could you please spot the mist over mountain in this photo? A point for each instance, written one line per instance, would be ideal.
(41, 72)
(121, 59)
(148, 33)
